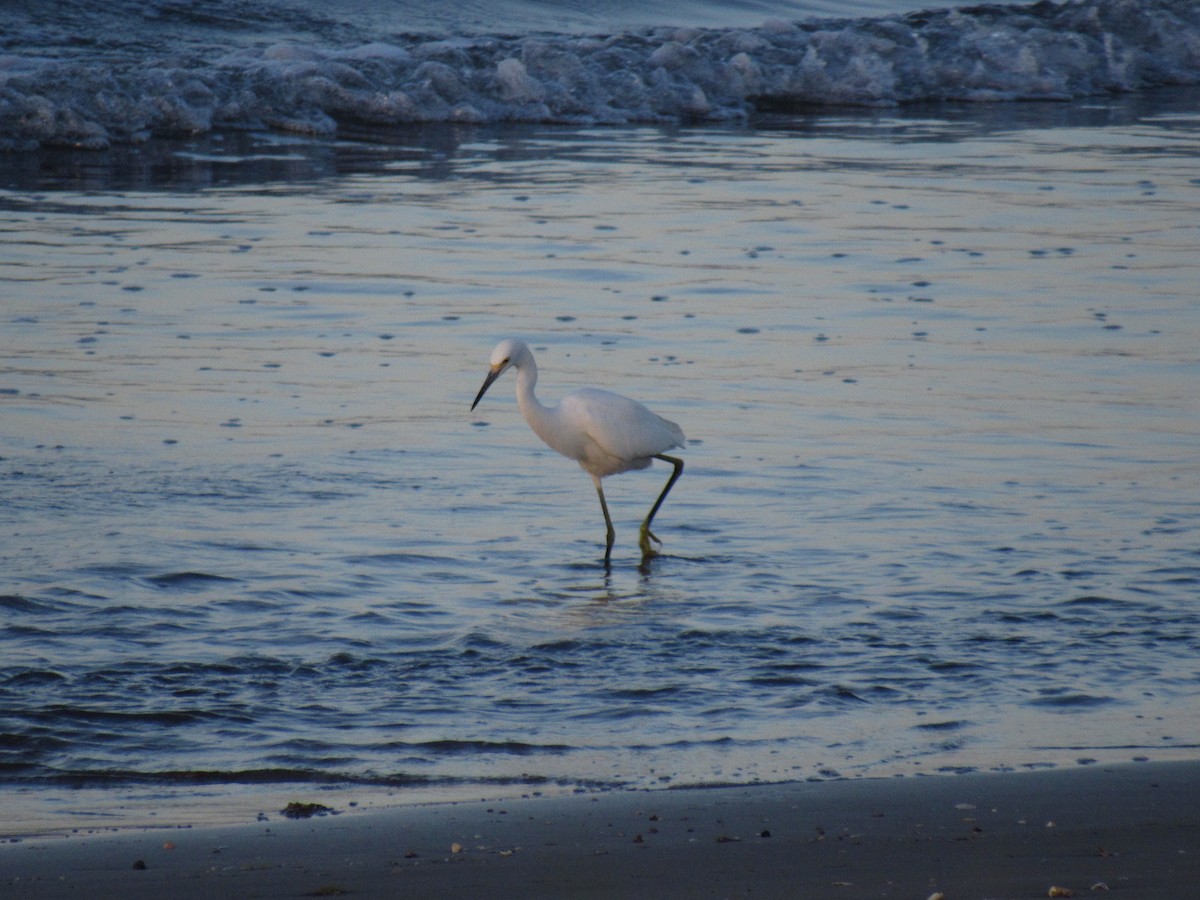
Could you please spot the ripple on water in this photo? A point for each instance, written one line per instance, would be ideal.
(188, 581)
(17, 603)
(1066, 701)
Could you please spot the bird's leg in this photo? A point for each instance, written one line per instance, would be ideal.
(646, 534)
(611, 533)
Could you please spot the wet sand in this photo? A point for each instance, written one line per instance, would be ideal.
(1131, 829)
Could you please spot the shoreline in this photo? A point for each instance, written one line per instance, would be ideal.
(1132, 828)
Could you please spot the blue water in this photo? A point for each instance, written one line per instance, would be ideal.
(937, 369)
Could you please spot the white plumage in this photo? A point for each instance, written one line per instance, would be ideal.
(602, 431)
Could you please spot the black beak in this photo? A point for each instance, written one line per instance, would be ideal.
(487, 383)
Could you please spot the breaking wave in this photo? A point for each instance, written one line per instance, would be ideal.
(320, 83)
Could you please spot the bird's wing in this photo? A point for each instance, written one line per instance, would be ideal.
(621, 426)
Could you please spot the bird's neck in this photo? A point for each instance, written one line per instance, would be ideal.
(531, 408)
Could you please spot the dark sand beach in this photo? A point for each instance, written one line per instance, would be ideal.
(1132, 830)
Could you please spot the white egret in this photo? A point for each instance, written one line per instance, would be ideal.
(604, 432)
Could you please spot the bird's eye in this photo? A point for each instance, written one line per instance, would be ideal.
(504, 362)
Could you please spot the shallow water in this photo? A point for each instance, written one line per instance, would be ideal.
(937, 369)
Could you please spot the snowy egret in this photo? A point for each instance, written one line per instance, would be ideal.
(604, 432)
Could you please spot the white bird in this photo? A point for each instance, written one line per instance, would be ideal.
(602, 431)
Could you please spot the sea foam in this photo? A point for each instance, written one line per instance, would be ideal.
(1044, 51)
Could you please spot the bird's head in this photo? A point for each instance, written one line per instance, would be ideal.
(509, 352)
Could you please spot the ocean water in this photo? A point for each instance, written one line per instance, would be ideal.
(937, 364)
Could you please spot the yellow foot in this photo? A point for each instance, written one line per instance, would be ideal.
(644, 539)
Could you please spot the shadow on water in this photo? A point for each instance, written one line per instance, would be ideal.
(624, 580)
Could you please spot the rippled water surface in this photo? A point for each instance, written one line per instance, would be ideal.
(938, 375)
